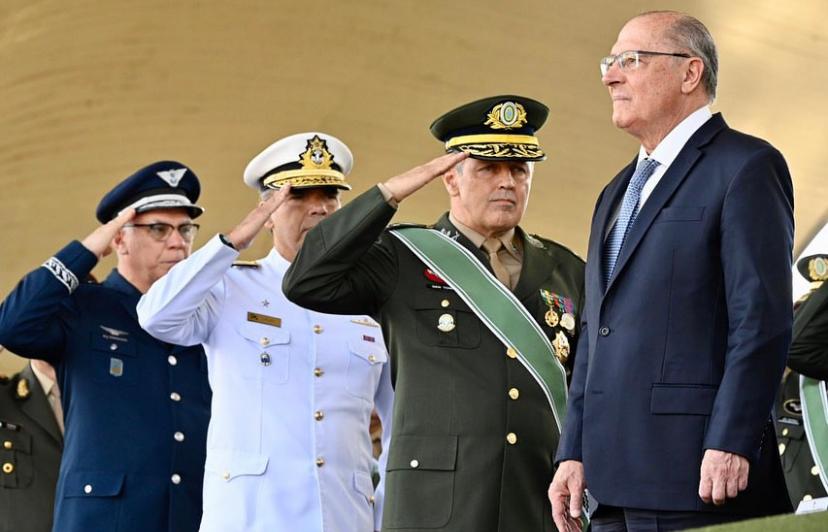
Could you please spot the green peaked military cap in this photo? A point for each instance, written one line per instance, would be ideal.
(499, 128)
(814, 267)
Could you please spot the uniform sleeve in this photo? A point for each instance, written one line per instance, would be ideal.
(346, 264)
(36, 315)
(756, 267)
(384, 403)
(183, 306)
(809, 349)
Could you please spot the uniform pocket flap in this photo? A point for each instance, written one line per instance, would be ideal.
(113, 347)
(680, 214)
(264, 335)
(373, 353)
(13, 440)
(93, 484)
(693, 399)
(231, 464)
(432, 453)
(363, 484)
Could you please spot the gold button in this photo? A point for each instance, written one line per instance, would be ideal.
(372, 359)
(781, 449)
(318, 415)
(318, 372)
(265, 340)
(815, 471)
(514, 393)
(8, 468)
(807, 498)
(511, 353)
(7, 444)
(320, 462)
(226, 475)
(371, 499)
(444, 303)
(317, 329)
(784, 432)
(414, 463)
(511, 438)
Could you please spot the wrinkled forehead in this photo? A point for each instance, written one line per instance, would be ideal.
(643, 33)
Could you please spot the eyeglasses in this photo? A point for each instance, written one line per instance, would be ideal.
(161, 231)
(630, 59)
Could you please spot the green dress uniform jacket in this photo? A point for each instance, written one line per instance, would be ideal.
(808, 356)
(473, 437)
(30, 449)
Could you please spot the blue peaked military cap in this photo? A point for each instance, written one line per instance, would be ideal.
(161, 185)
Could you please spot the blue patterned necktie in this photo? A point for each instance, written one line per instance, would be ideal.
(626, 216)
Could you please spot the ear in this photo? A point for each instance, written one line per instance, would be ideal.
(692, 75)
(450, 179)
(119, 244)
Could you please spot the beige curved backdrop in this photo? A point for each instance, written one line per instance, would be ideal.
(92, 90)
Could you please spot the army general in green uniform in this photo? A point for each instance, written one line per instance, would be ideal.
(473, 434)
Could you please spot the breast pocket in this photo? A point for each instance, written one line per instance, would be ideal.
(443, 320)
(115, 361)
(16, 459)
(265, 353)
(365, 363)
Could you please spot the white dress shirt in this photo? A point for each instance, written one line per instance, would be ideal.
(288, 447)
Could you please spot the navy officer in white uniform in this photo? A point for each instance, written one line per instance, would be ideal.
(288, 446)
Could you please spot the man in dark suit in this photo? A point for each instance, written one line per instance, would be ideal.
(136, 408)
(688, 312)
(31, 441)
(473, 433)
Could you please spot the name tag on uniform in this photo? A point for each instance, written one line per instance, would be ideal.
(264, 319)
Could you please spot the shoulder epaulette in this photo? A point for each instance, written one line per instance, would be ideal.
(246, 264)
(553, 244)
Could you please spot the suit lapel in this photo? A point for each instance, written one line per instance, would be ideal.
(665, 189)
(37, 407)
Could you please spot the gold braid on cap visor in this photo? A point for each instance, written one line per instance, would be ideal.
(500, 146)
(307, 178)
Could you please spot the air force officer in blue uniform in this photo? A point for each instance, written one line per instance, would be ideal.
(136, 409)
(688, 303)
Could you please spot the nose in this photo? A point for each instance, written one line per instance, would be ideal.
(176, 241)
(612, 76)
(319, 206)
(505, 179)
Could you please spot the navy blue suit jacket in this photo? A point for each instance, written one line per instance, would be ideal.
(123, 467)
(684, 349)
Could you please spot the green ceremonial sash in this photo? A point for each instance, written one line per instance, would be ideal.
(815, 415)
(496, 307)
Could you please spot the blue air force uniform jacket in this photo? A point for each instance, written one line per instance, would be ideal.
(136, 409)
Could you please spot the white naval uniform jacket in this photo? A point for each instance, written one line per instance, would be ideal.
(288, 447)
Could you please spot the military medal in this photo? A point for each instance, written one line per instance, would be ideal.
(561, 346)
(551, 318)
(445, 323)
(568, 322)
(265, 359)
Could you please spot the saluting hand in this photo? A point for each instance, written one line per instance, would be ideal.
(243, 234)
(100, 240)
(405, 184)
(723, 476)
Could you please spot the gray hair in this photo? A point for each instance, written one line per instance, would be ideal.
(690, 34)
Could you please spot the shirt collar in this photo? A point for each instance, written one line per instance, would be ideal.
(45, 382)
(477, 239)
(670, 146)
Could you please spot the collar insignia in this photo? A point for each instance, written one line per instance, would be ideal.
(172, 177)
(506, 115)
(23, 389)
